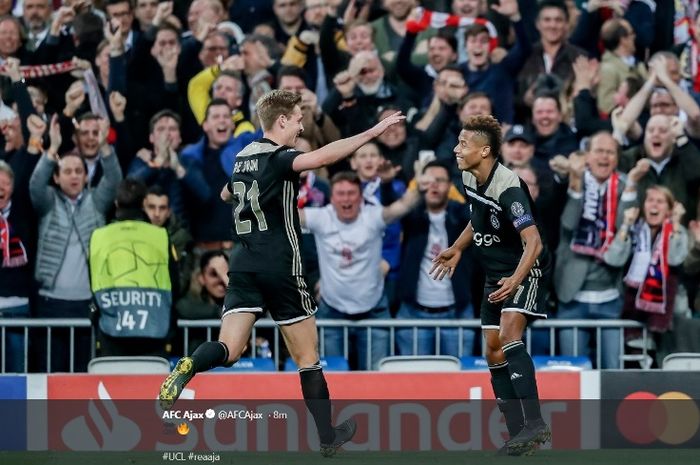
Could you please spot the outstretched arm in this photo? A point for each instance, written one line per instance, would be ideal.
(336, 151)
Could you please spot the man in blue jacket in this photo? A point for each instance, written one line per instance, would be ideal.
(208, 165)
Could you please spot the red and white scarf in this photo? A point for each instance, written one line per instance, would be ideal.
(438, 20)
(649, 270)
(36, 71)
(596, 228)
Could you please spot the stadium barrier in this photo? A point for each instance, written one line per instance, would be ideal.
(48, 326)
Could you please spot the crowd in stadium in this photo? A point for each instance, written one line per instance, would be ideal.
(600, 109)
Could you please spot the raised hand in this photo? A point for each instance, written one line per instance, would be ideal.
(117, 103)
(115, 36)
(164, 10)
(345, 84)
(63, 16)
(36, 126)
(12, 69)
(577, 165)
(560, 165)
(694, 228)
(382, 126)
(55, 138)
(75, 96)
(233, 63)
(678, 213)
(507, 8)
(630, 216)
(640, 169)
(387, 171)
(104, 132)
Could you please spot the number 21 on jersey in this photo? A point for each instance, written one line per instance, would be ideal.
(245, 226)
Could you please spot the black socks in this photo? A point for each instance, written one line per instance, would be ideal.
(317, 399)
(209, 355)
(522, 376)
(508, 402)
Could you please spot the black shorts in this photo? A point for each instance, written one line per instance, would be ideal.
(529, 299)
(286, 297)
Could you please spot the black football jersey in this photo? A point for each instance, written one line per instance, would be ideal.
(266, 229)
(500, 209)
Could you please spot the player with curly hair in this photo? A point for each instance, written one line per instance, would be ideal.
(516, 262)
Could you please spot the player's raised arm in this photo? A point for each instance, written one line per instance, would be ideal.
(336, 151)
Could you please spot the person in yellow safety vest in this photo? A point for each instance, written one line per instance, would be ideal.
(133, 275)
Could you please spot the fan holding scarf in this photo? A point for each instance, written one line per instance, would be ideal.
(586, 286)
(657, 244)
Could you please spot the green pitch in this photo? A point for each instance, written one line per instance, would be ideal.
(597, 457)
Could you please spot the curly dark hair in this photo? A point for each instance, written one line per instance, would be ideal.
(488, 127)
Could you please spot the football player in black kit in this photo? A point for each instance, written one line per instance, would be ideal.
(265, 267)
(516, 263)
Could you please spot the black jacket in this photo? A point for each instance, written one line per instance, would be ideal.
(416, 226)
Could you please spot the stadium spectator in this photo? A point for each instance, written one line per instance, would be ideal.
(68, 214)
(670, 99)
(442, 51)
(161, 166)
(348, 239)
(655, 245)
(205, 166)
(586, 287)
(220, 82)
(288, 19)
(206, 297)
(319, 129)
(390, 29)
(497, 79)
(339, 42)
(666, 159)
(156, 205)
(552, 135)
(426, 232)
(303, 48)
(691, 267)
(618, 62)
(17, 245)
(359, 91)
(553, 54)
(377, 190)
(36, 15)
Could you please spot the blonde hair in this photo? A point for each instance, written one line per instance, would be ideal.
(274, 104)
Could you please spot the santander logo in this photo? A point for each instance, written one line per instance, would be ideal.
(103, 428)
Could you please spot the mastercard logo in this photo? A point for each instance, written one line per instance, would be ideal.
(671, 418)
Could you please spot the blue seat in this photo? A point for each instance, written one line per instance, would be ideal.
(248, 364)
(474, 363)
(330, 363)
(561, 363)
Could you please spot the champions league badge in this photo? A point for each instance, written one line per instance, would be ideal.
(517, 209)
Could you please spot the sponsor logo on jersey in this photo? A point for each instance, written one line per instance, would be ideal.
(522, 220)
(517, 209)
(486, 240)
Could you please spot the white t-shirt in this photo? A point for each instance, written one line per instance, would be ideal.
(431, 292)
(348, 256)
